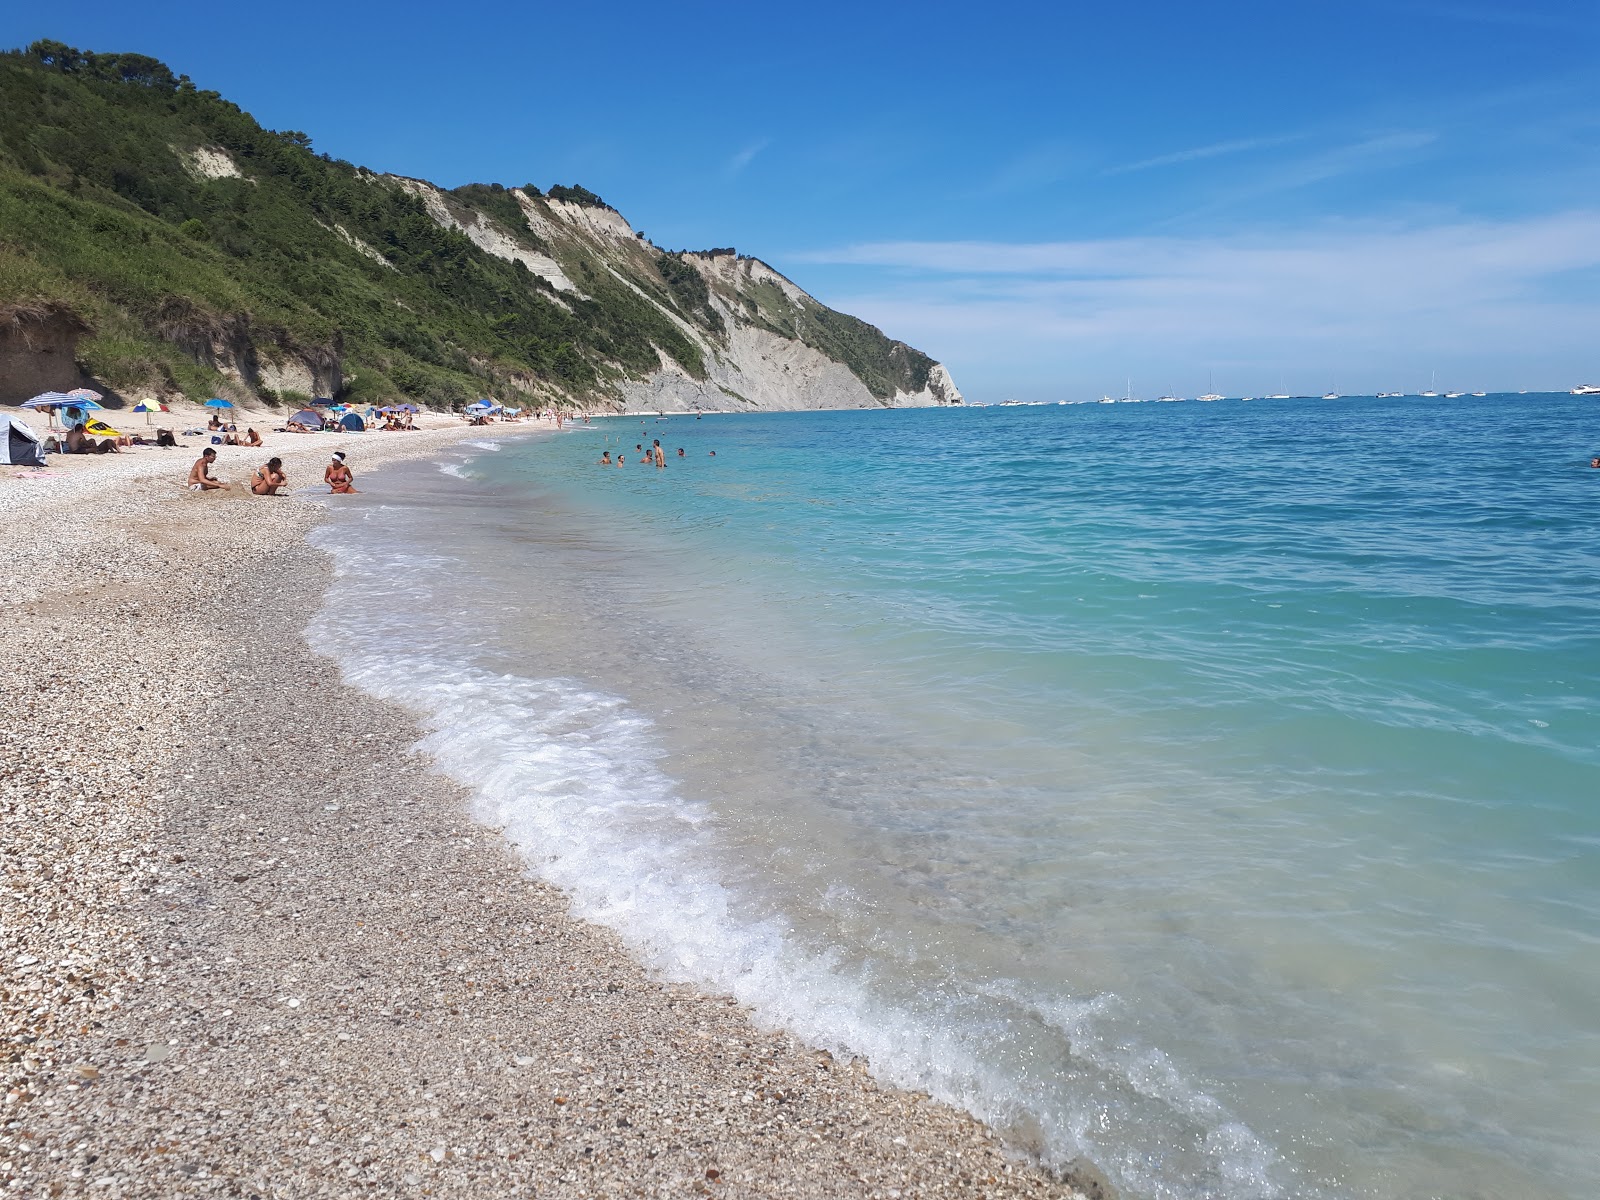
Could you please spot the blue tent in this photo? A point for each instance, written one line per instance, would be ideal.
(353, 422)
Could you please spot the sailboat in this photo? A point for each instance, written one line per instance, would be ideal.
(1433, 379)
(1210, 392)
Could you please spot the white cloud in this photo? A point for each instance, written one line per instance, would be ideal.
(736, 164)
(1195, 154)
(1362, 301)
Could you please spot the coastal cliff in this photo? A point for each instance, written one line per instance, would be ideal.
(178, 247)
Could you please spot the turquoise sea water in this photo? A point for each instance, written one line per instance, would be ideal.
(1208, 790)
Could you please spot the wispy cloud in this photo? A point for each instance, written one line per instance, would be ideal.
(1197, 153)
(1362, 297)
(738, 162)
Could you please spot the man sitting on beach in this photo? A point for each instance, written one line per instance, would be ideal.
(338, 477)
(200, 474)
(79, 442)
(269, 478)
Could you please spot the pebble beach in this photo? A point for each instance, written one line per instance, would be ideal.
(252, 945)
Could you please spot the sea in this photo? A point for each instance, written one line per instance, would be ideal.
(1207, 791)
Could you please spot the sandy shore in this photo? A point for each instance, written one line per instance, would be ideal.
(251, 946)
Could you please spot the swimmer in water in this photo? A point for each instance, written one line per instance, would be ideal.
(605, 458)
(680, 451)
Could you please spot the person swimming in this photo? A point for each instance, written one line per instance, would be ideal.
(605, 458)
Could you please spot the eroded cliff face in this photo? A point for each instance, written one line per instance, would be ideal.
(38, 350)
(763, 342)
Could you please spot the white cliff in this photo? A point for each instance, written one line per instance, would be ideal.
(763, 342)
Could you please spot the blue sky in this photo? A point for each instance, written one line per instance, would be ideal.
(1051, 199)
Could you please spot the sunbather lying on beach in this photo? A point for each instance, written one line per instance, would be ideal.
(338, 477)
(200, 474)
(269, 478)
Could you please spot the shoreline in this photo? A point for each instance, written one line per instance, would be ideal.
(270, 952)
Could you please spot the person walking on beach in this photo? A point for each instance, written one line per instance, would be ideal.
(200, 474)
(338, 477)
(269, 478)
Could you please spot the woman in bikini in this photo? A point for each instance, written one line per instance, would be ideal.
(338, 476)
(270, 478)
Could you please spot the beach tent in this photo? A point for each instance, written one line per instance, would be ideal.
(308, 416)
(20, 445)
(353, 422)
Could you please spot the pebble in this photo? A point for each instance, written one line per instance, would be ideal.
(177, 876)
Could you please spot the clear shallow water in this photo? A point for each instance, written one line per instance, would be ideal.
(1207, 790)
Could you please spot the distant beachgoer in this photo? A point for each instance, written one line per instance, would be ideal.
(1595, 461)
(713, 453)
(251, 438)
(605, 458)
(620, 460)
(338, 476)
(680, 451)
(200, 474)
(269, 478)
(658, 453)
(214, 424)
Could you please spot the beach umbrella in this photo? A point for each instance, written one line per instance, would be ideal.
(410, 408)
(218, 402)
(48, 400)
(84, 394)
(322, 402)
(148, 406)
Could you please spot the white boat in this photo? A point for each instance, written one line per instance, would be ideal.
(1454, 395)
(1480, 395)
(1210, 396)
(1390, 395)
(1330, 395)
(1585, 389)
(1168, 399)
(1105, 400)
(1278, 396)
(1433, 382)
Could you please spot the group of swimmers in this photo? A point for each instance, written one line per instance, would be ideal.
(655, 454)
(270, 477)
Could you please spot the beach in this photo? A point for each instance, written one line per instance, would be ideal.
(254, 945)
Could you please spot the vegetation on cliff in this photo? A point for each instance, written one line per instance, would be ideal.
(200, 250)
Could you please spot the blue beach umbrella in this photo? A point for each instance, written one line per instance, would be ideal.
(217, 402)
(50, 400)
(322, 402)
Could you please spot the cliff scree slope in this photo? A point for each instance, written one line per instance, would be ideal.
(155, 238)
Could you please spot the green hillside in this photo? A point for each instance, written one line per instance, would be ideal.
(204, 253)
